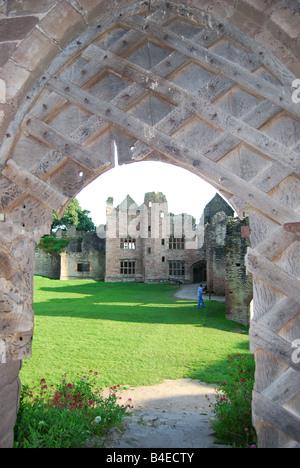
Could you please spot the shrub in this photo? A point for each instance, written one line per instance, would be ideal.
(52, 245)
(70, 415)
(232, 408)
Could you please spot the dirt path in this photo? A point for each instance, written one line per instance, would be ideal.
(173, 414)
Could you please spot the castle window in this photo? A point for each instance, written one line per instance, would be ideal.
(84, 267)
(176, 243)
(176, 269)
(127, 243)
(127, 268)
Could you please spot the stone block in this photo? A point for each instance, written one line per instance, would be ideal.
(2, 91)
(15, 29)
(6, 114)
(17, 80)
(35, 52)
(284, 24)
(29, 6)
(8, 373)
(244, 24)
(254, 10)
(9, 401)
(6, 51)
(92, 9)
(62, 23)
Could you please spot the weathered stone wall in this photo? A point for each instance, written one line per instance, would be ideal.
(151, 252)
(47, 264)
(9, 398)
(83, 247)
(215, 239)
(114, 256)
(238, 284)
(70, 270)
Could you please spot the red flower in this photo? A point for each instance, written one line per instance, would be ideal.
(242, 380)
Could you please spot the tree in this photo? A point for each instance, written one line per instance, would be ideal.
(85, 223)
(74, 216)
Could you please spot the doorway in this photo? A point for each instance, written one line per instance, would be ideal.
(199, 272)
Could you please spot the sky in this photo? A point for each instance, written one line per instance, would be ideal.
(185, 191)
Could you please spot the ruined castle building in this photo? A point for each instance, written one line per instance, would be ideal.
(210, 86)
(147, 243)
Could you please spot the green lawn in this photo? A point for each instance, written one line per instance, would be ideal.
(131, 333)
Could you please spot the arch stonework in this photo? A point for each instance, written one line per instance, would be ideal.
(210, 90)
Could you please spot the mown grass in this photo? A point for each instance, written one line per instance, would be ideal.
(131, 333)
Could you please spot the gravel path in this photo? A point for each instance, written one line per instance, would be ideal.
(189, 291)
(173, 414)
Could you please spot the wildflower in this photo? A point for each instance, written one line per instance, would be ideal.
(42, 381)
(97, 419)
(242, 380)
(44, 386)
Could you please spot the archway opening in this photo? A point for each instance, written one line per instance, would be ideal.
(220, 106)
(199, 272)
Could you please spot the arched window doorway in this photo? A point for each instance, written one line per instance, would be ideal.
(199, 272)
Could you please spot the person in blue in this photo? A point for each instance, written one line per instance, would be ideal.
(200, 297)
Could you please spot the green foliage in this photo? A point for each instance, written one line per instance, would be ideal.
(232, 410)
(84, 222)
(74, 216)
(72, 414)
(51, 244)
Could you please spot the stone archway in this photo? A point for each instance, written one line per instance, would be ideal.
(168, 82)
